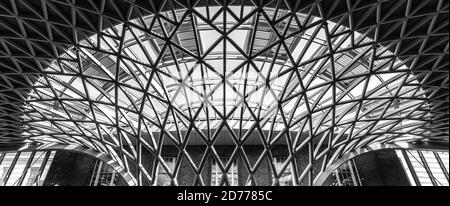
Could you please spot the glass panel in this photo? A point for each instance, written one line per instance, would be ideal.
(30, 174)
(103, 175)
(216, 172)
(286, 177)
(163, 176)
(18, 169)
(405, 167)
(436, 172)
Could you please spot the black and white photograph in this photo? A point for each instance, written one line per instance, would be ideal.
(224, 93)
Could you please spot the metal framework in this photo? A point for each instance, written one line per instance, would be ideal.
(401, 150)
(103, 175)
(425, 168)
(125, 78)
(346, 175)
(24, 168)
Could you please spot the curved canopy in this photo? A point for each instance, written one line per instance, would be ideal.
(245, 74)
(306, 76)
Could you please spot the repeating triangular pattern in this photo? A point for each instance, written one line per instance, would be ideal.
(267, 73)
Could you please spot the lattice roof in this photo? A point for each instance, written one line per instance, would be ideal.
(324, 77)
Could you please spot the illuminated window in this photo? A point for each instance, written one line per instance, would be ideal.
(216, 172)
(164, 178)
(103, 175)
(32, 176)
(425, 168)
(347, 175)
(286, 177)
(25, 168)
(3, 171)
